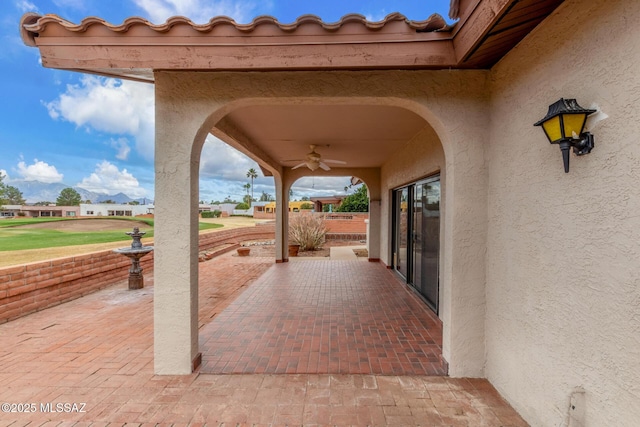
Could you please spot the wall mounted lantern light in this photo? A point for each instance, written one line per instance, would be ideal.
(564, 125)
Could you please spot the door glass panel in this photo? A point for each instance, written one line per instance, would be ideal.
(416, 237)
(430, 242)
(402, 229)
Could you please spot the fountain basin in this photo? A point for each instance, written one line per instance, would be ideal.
(134, 253)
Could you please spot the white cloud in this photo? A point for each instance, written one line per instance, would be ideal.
(5, 176)
(26, 6)
(376, 16)
(76, 4)
(320, 186)
(199, 11)
(39, 171)
(108, 179)
(223, 172)
(122, 147)
(219, 160)
(112, 106)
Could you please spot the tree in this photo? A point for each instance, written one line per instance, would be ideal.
(356, 202)
(247, 186)
(12, 196)
(266, 197)
(43, 203)
(69, 197)
(9, 195)
(251, 173)
(135, 203)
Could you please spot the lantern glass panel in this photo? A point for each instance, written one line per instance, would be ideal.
(573, 124)
(552, 129)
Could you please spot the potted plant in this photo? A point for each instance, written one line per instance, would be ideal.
(294, 248)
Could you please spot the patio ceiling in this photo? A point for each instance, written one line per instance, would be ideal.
(340, 132)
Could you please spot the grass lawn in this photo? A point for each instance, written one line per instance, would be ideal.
(14, 238)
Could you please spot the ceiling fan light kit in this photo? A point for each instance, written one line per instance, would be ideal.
(314, 161)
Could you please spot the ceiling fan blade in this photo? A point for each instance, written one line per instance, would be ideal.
(299, 166)
(325, 166)
(338, 162)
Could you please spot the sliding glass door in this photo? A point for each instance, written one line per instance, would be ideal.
(417, 237)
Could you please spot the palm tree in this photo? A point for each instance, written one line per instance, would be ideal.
(251, 173)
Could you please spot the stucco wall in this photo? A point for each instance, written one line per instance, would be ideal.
(563, 282)
(462, 226)
(421, 157)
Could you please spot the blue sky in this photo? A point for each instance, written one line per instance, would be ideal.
(97, 133)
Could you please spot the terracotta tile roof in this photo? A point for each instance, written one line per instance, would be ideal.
(33, 24)
(485, 31)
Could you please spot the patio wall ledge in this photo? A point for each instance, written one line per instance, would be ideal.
(28, 288)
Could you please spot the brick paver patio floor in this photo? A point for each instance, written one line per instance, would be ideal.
(331, 317)
(95, 355)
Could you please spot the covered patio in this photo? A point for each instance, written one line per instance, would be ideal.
(96, 352)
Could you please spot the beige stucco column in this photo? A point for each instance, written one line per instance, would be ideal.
(282, 220)
(372, 181)
(176, 239)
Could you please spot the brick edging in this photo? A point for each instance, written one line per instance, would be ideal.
(27, 288)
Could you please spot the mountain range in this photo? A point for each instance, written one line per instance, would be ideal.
(36, 191)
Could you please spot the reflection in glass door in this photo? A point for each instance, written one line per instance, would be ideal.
(426, 216)
(417, 237)
(402, 231)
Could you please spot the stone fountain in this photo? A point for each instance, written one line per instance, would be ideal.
(135, 252)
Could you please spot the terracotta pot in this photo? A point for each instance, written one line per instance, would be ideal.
(243, 251)
(293, 250)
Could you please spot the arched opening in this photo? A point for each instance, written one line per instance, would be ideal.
(328, 217)
(382, 133)
(262, 131)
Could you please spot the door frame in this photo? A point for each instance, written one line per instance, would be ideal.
(395, 238)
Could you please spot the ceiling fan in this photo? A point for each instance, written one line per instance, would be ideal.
(314, 161)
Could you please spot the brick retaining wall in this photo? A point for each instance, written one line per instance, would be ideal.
(337, 222)
(36, 286)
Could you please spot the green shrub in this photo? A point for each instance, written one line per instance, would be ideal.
(306, 206)
(242, 206)
(210, 214)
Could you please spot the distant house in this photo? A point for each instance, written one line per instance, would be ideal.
(293, 206)
(111, 209)
(225, 208)
(333, 201)
(10, 211)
